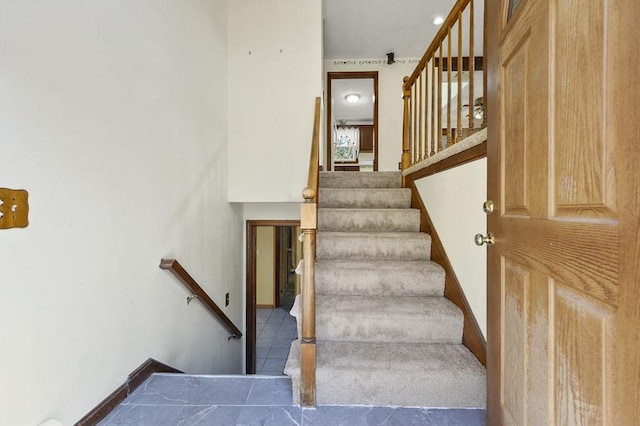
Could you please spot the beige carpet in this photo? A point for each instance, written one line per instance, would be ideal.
(385, 333)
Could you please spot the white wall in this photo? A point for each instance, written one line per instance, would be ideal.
(454, 201)
(113, 116)
(275, 74)
(390, 105)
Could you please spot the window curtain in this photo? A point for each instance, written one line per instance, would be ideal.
(347, 144)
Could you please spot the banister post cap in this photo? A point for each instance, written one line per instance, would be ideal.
(309, 193)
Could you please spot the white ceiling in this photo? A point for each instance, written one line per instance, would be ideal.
(373, 28)
(361, 110)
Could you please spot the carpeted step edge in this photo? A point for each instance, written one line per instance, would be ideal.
(413, 375)
(380, 198)
(388, 319)
(368, 220)
(360, 180)
(370, 246)
(392, 278)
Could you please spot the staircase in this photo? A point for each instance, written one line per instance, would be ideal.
(386, 335)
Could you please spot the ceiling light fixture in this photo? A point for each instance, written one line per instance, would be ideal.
(438, 20)
(352, 98)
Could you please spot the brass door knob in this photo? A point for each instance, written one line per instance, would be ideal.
(487, 207)
(481, 239)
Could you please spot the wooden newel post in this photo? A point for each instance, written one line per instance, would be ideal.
(406, 126)
(308, 224)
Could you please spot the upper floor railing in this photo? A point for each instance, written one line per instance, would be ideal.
(444, 96)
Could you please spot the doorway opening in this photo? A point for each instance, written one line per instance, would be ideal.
(272, 253)
(352, 121)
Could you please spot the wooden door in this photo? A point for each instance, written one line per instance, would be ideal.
(564, 272)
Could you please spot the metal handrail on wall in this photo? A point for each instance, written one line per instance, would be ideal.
(447, 69)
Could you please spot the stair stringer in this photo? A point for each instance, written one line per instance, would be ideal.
(472, 336)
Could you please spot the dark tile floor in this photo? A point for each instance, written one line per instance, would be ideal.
(179, 399)
(276, 329)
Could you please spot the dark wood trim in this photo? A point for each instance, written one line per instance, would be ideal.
(352, 75)
(183, 276)
(472, 336)
(135, 379)
(276, 266)
(474, 153)
(250, 294)
(250, 255)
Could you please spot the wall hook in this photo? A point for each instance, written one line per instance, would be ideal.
(190, 298)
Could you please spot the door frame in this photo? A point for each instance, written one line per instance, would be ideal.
(250, 287)
(345, 75)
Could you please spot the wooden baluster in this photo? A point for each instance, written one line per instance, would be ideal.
(439, 129)
(414, 124)
(406, 97)
(434, 140)
(460, 71)
(449, 94)
(472, 64)
(425, 152)
(420, 141)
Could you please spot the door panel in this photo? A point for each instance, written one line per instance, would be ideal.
(514, 326)
(582, 375)
(564, 311)
(514, 81)
(583, 182)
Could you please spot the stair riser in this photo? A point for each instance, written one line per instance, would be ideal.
(424, 279)
(373, 247)
(407, 390)
(360, 180)
(363, 220)
(364, 198)
(399, 328)
(415, 375)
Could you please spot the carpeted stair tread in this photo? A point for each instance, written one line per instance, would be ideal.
(369, 220)
(360, 180)
(401, 374)
(385, 333)
(379, 278)
(381, 198)
(388, 319)
(372, 246)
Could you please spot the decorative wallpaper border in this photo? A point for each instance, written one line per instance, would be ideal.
(375, 61)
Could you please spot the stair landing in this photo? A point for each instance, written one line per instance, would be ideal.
(172, 399)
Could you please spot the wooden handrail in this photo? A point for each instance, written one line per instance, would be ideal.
(428, 115)
(440, 36)
(195, 289)
(308, 224)
(311, 191)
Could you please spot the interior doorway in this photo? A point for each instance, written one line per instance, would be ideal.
(272, 253)
(352, 121)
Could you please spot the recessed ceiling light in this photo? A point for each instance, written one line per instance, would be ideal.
(352, 98)
(438, 20)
